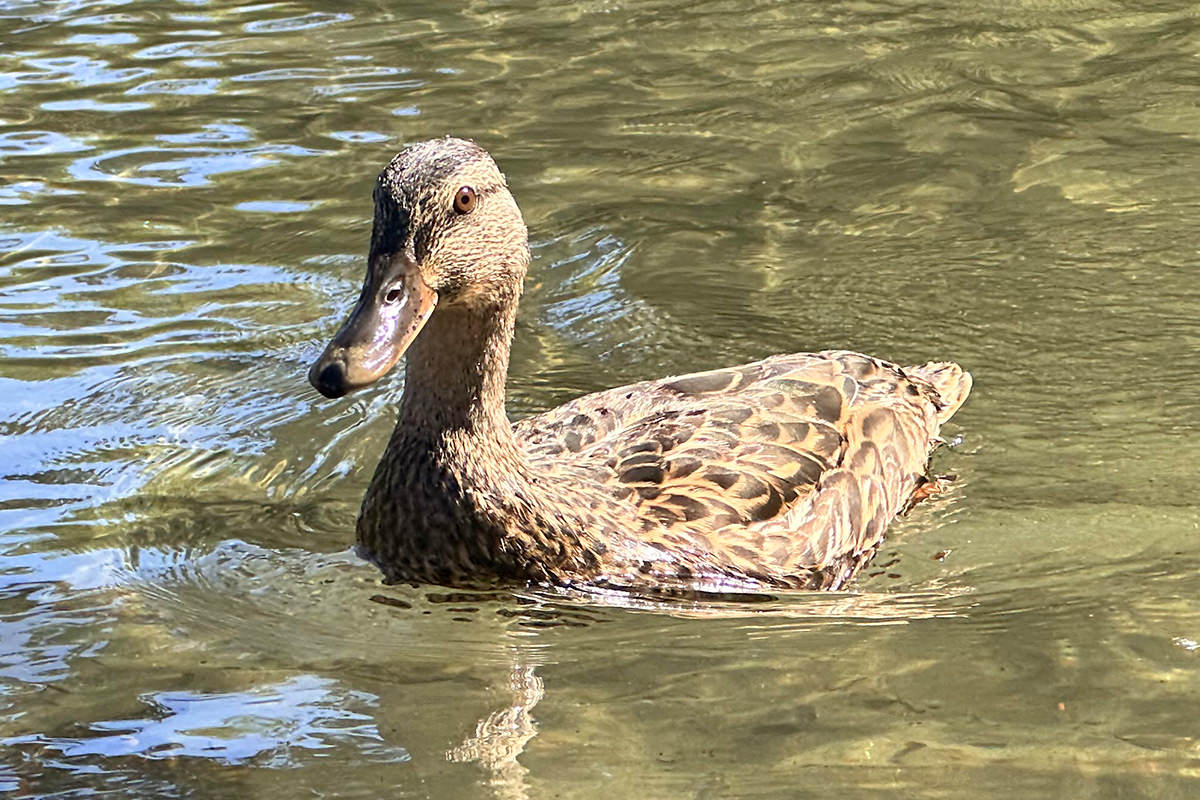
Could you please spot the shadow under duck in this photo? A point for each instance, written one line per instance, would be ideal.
(779, 473)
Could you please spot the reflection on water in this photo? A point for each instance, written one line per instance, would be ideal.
(186, 194)
(501, 736)
(263, 725)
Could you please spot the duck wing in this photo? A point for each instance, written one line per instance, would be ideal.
(784, 471)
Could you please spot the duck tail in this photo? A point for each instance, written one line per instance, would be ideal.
(952, 383)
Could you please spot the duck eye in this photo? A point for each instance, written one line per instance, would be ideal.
(464, 200)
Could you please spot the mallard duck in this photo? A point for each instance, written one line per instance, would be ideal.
(782, 473)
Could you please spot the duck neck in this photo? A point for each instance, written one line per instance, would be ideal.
(454, 377)
(455, 497)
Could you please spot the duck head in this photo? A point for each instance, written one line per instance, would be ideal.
(447, 235)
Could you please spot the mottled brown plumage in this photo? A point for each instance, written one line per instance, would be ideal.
(780, 473)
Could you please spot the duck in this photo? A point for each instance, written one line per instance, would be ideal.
(780, 474)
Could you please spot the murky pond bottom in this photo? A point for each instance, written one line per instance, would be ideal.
(186, 193)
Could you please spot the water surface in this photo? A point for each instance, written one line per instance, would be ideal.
(186, 192)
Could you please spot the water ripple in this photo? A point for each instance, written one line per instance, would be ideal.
(38, 143)
(264, 724)
(180, 86)
(145, 166)
(79, 71)
(297, 23)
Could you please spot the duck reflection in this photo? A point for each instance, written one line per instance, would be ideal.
(501, 736)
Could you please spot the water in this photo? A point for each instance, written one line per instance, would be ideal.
(186, 206)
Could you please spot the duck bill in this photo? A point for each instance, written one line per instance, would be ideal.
(384, 322)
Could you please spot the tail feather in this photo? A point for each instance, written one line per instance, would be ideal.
(952, 383)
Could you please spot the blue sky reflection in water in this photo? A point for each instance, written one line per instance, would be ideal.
(186, 195)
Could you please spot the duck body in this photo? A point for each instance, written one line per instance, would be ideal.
(780, 473)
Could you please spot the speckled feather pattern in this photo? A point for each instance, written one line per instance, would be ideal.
(780, 473)
(783, 472)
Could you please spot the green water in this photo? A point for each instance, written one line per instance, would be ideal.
(186, 207)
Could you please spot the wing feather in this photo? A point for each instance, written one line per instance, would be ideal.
(786, 470)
